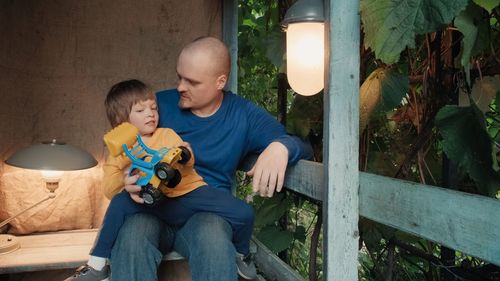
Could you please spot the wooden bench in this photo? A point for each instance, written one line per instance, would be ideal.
(68, 250)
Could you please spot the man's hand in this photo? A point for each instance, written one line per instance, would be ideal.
(269, 169)
(132, 188)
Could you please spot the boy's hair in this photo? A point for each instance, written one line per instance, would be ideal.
(122, 96)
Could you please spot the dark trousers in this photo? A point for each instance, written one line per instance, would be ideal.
(176, 211)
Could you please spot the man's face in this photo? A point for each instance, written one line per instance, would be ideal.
(198, 84)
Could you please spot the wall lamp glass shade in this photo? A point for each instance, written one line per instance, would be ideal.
(304, 26)
(52, 156)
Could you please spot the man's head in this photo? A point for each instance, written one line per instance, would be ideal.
(203, 70)
(132, 101)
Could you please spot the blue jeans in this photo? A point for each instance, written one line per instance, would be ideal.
(176, 211)
(205, 241)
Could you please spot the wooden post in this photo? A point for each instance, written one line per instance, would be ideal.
(340, 152)
(230, 37)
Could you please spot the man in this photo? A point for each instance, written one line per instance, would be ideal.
(222, 129)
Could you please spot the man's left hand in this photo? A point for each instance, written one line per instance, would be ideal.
(269, 170)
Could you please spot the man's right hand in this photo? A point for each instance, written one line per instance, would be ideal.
(132, 188)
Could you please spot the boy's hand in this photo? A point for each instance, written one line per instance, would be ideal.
(269, 169)
(132, 188)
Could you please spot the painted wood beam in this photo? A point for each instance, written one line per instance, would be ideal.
(340, 143)
(230, 37)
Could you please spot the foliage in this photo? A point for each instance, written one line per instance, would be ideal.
(466, 142)
(417, 55)
(391, 26)
(260, 47)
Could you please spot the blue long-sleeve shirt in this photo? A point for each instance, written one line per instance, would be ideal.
(223, 139)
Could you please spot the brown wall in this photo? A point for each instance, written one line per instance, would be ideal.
(59, 58)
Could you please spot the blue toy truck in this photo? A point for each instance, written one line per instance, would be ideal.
(153, 166)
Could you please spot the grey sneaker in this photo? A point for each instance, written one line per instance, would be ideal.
(88, 273)
(246, 266)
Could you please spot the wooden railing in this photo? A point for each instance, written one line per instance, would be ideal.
(461, 221)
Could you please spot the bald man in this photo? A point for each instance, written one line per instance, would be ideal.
(222, 129)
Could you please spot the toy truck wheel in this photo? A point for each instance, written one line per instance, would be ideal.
(185, 155)
(176, 179)
(152, 196)
(164, 172)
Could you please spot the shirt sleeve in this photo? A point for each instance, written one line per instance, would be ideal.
(113, 175)
(265, 129)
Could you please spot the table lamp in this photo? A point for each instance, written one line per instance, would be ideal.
(52, 158)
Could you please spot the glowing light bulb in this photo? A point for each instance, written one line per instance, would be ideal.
(51, 175)
(305, 57)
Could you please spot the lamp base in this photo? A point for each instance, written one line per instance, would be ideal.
(8, 243)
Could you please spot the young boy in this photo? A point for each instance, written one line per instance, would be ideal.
(132, 101)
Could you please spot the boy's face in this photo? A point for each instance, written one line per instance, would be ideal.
(144, 116)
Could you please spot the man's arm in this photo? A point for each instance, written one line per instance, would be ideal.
(278, 149)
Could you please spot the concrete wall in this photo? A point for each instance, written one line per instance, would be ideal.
(59, 58)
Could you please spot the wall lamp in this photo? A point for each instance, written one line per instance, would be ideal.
(52, 158)
(305, 48)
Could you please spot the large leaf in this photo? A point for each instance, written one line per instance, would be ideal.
(474, 28)
(274, 45)
(466, 142)
(482, 93)
(394, 88)
(275, 239)
(487, 4)
(305, 115)
(383, 85)
(391, 25)
(271, 210)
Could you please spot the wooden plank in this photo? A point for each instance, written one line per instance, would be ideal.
(272, 266)
(476, 231)
(49, 251)
(419, 209)
(341, 138)
(471, 226)
(461, 221)
(230, 37)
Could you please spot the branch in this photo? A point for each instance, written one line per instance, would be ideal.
(313, 250)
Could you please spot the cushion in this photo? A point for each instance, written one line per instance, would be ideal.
(73, 207)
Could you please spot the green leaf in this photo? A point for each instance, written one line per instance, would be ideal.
(482, 93)
(466, 142)
(300, 233)
(271, 210)
(274, 46)
(487, 4)
(370, 233)
(474, 28)
(394, 88)
(275, 239)
(305, 115)
(391, 25)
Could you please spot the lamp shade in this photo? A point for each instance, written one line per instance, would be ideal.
(304, 11)
(53, 155)
(305, 31)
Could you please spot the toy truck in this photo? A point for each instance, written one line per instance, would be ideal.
(153, 166)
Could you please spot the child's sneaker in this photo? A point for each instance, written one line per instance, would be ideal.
(88, 273)
(246, 266)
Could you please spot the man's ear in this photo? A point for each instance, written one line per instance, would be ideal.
(221, 81)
